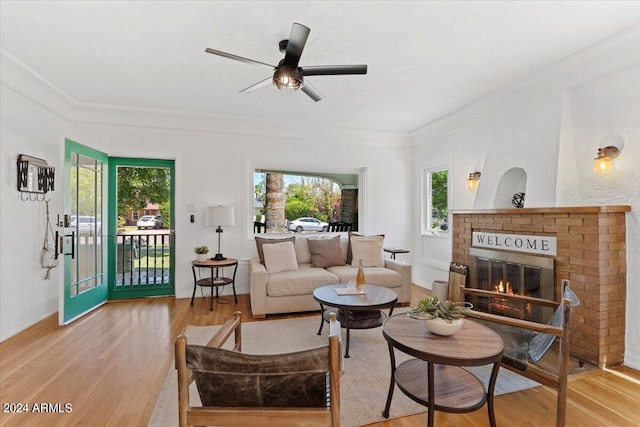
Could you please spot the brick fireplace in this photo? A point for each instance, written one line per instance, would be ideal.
(591, 254)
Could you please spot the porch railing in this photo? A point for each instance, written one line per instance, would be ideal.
(142, 260)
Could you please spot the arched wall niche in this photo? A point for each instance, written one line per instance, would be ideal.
(513, 181)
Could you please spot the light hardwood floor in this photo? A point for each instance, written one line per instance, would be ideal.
(110, 366)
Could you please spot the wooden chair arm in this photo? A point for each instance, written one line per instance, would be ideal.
(524, 324)
(233, 325)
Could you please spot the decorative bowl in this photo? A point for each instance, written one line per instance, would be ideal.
(440, 326)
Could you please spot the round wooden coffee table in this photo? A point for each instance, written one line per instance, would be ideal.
(359, 311)
(435, 378)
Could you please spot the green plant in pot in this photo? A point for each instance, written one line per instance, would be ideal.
(440, 317)
(202, 252)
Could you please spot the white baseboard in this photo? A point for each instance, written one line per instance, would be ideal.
(632, 361)
(434, 263)
(421, 283)
(12, 330)
(227, 290)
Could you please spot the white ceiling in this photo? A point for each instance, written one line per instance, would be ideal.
(426, 59)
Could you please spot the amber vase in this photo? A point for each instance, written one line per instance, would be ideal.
(359, 276)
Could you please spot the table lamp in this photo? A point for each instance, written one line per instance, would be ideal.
(219, 216)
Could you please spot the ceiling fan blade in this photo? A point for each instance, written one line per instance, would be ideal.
(239, 58)
(332, 70)
(297, 40)
(312, 91)
(260, 84)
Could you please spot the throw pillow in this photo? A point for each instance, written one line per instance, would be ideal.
(326, 252)
(280, 257)
(261, 241)
(367, 249)
(349, 251)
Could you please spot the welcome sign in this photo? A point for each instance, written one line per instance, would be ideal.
(545, 245)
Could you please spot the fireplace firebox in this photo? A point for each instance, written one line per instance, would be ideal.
(514, 274)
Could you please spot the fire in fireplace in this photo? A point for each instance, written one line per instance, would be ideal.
(514, 274)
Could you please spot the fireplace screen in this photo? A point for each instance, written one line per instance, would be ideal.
(513, 274)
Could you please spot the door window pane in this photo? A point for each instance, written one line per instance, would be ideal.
(86, 223)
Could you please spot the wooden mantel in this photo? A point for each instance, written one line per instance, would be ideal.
(566, 209)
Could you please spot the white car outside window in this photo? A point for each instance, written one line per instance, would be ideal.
(86, 224)
(307, 224)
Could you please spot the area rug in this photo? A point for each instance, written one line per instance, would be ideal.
(365, 381)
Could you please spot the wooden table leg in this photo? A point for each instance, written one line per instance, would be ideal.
(195, 283)
(321, 319)
(347, 324)
(432, 398)
(213, 280)
(492, 386)
(392, 382)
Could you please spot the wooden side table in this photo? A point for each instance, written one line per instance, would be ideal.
(394, 251)
(215, 280)
(436, 377)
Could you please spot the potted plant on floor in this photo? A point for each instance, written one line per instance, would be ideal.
(202, 252)
(440, 317)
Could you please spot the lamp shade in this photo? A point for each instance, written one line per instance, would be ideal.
(472, 184)
(472, 181)
(220, 215)
(603, 163)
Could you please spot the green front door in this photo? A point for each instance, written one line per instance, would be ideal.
(85, 279)
(141, 254)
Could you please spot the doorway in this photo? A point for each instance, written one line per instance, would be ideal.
(141, 218)
(107, 254)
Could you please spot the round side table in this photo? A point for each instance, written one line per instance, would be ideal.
(215, 280)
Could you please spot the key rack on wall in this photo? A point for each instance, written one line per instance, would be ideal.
(35, 178)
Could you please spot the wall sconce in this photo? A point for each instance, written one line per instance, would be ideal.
(603, 163)
(472, 181)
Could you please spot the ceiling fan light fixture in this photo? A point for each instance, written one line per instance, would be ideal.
(287, 75)
(287, 78)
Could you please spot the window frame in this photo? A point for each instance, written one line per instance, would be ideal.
(427, 197)
(252, 166)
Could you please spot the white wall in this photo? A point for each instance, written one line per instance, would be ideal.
(214, 159)
(551, 125)
(217, 168)
(36, 127)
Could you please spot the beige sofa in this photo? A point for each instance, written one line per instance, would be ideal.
(292, 291)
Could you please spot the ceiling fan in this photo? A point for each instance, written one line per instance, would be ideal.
(287, 75)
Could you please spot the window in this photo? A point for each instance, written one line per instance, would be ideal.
(435, 215)
(286, 202)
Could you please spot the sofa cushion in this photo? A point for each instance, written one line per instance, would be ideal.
(355, 234)
(325, 252)
(302, 251)
(300, 282)
(260, 241)
(280, 257)
(368, 250)
(379, 276)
